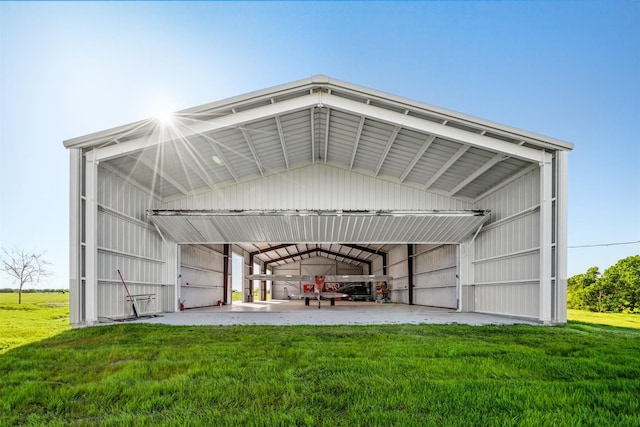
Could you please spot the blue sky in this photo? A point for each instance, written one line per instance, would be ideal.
(569, 70)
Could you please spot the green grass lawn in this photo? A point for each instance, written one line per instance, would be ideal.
(623, 320)
(40, 315)
(136, 374)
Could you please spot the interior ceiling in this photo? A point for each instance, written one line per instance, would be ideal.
(279, 255)
(317, 120)
(310, 122)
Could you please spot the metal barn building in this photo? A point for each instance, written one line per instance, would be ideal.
(318, 177)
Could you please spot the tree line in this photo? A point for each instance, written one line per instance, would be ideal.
(615, 290)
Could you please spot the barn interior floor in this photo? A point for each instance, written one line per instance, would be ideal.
(294, 312)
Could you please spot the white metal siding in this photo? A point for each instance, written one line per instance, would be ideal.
(399, 270)
(126, 242)
(202, 276)
(435, 282)
(318, 187)
(506, 253)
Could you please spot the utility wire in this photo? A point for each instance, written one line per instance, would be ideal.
(603, 244)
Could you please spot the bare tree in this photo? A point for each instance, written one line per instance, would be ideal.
(25, 267)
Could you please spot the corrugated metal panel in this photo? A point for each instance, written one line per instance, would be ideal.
(202, 279)
(342, 137)
(506, 261)
(373, 140)
(126, 242)
(472, 160)
(399, 270)
(515, 197)
(492, 177)
(297, 130)
(404, 148)
(435, 282)
(432, 160)
(321, 187)
(266, 140)
(518, 299)
(315, 134)
(192, 227)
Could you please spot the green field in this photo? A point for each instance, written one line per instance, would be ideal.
(40, 315)
(623, 320)
(136, 374)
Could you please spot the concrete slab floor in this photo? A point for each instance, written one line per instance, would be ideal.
(294, 312)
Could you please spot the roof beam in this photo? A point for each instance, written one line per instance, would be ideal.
(215, 147)
(488, 165)
(160, 172)
(200, 170)
(446, 166)
(252, 147)
(321, 250)
(372, 251)
(392, 138)
(418, 156)
(200, 127)
(273, 248)
(357, 141)
(432, 128)
(284, 145)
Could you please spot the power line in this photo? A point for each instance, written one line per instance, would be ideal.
(603, 244)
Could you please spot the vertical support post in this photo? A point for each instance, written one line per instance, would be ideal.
(384, 264)
(458, 284)
(225, 272)
(263, 284)
(249, 284)
(75, 236)
(410, 272)
(175, 273)
(91, 240)
(250, 293)
(561, 236)
(546, 229)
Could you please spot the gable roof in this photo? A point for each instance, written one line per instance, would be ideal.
(318, 120)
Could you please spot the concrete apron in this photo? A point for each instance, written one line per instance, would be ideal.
(342, 313)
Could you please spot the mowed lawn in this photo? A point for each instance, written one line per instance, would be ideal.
(136, 374)
(40, 315)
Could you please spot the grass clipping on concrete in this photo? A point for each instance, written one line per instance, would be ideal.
(136, 374)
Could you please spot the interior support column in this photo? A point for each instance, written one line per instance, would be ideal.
(410, 272)
(225, 273)
(91, 240)
(546, 253)
(384, 264)
(263, 284)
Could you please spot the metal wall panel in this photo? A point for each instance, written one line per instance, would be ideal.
(435, 282)
(126, 242)
(517, 299)
(202, 277)
(318, 187)
(506, 253)
(399, 270)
